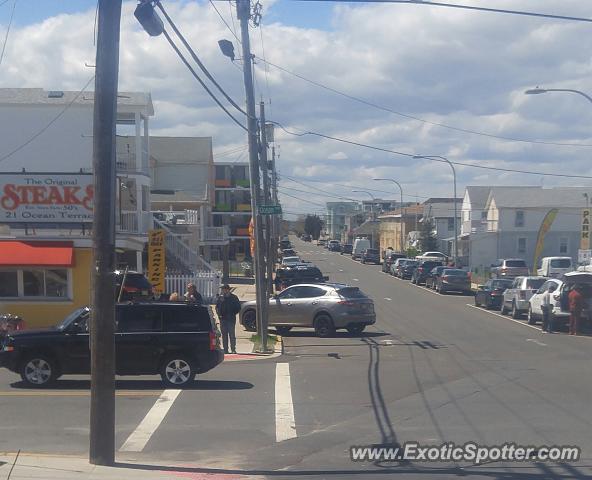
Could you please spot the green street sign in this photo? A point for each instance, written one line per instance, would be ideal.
(270, 209)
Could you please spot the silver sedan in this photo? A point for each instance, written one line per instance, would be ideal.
(325, 307)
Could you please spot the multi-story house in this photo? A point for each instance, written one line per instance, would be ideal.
(391, 223)
(337, 212)
(47, 150)
(441, 212)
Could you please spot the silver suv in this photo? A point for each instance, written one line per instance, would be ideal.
(516, 297)
(325, 307)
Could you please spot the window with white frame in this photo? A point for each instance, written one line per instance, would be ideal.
(522, 245)
(563, 245)
(519, 219)
(36, 283)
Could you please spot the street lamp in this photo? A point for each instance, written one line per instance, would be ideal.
(371, 196)
(538, 91)
(444, 159)
(401, 207)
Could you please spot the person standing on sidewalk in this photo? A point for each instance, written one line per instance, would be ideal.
(227, 307)
(547, 308)
(576, 305)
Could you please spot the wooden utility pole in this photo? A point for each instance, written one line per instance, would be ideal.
(267, 201)
(102, 325)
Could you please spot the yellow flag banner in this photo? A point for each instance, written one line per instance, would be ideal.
(585, 233)
(544, 228)
(156, 260)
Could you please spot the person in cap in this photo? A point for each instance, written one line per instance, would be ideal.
(227, 307)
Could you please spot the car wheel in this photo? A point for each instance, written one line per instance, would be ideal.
(356, 329)
(177, 371)
(282, 330)
(323, 326)
(515, 312)
(503, 309)
(38, 370)
(530, 316)
(250, 321)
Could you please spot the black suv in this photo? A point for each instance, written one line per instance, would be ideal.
(389, 259)
(371, 255)
(175, 340)
(301, 273)
(422, 271)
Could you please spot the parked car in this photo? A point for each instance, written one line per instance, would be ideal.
(360, 244)
(326, 308)
(423, 269)
(555, 267)
(291, 261)
(175, 340)
(437, 256)
(289, 252)
(433, 275)
(135, 287)
(333, 245)
(583, 280)
(509, 268)
(516, 297)
(453, 280)
(371, 255)
(302, 273)
(396, 265)
(321, 242)
(490, 295)
(306, 238)
(389, 258)
(346, 249)
(408, 266)
(535, 312)
(285, 244)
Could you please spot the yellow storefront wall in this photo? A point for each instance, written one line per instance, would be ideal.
(45, 313)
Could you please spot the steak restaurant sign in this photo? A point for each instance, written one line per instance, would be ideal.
(46, 198)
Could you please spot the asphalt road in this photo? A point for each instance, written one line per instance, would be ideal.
(433, 369)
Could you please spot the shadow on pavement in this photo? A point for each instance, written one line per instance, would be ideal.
(142, 385)
(311, 334)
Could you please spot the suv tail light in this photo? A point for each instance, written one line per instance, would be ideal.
(213, 342)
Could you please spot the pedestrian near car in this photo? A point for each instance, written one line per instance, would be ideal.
(192, 295)
(227, 307)
(576, 305)
(547, 309)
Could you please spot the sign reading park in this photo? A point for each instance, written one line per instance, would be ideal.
(46, 198)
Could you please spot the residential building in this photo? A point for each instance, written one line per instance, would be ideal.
(47, 261)
(514, 218)
(232, 209)
(391, 223)
(441, 212)
(378, 206)
(337, 212)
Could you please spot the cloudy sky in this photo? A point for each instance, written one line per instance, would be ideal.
(445, 67)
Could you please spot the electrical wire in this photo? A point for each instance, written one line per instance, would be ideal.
(466, 7)
(224, 20)
(411, 155)
(302, 199)
(197, 77)
(49, 124)
(418, 119)
(197, 60)
(7, 30)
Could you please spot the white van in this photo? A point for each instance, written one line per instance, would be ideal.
(360, 244)
(555, 267)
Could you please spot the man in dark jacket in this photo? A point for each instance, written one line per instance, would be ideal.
(227, 307)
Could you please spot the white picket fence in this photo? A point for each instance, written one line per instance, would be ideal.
(207, 284)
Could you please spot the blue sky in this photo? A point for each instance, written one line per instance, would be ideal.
(285, 11)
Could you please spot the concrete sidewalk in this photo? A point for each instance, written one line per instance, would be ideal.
(48, 467)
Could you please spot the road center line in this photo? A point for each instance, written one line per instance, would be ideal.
(356, 279)
(536, 341)
(285, 425)
(388, 299)
(140, 436)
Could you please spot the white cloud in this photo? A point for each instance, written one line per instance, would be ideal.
(460, 68)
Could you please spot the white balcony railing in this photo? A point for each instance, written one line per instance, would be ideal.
(134, 222)
(216, 234)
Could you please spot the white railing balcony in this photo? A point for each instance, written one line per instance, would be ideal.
(216, 234)
(134, 222)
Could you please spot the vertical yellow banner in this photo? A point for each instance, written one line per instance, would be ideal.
(585, 232)
(156, 260)
(544, 228)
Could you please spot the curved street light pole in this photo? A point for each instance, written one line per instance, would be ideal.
(538, 91)
(444, 159)
(371, 196)
(401, 208)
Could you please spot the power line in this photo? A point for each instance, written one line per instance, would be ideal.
(225, 22)
(418, 119)
(197, 77)
(466, 7)
(7, 30)
(303, 200)
(197, 60)
(51, 122)
(411, 155)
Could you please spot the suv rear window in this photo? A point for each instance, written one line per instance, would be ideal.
(372, 251)
(431, 264)
(515, 263)
(351, 292)
(535, 283)
(561, 263)
(455, 272)
(185, 319)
